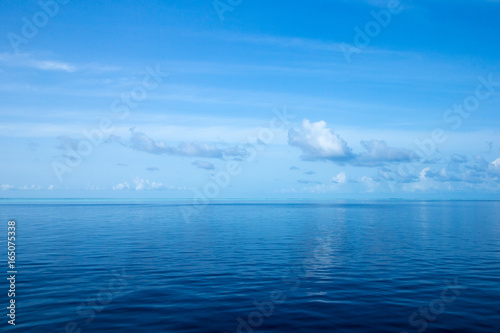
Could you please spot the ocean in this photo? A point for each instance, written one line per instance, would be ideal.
(340, 266)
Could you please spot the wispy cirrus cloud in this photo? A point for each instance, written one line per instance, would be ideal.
(27, 60)
(48, 65)
(292, 42)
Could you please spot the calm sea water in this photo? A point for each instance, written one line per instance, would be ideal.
(340, 267)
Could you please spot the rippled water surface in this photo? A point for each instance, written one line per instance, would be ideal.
(339, 267)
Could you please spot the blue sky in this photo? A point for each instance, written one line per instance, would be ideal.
(250, 99)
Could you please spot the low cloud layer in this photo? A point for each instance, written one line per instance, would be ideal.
(318, 143)
(140, 184)
(141, 142)
(378, 153)
(203, 165)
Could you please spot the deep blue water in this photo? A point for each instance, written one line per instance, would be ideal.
(340, 267)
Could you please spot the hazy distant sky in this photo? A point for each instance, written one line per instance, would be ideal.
(408, 109)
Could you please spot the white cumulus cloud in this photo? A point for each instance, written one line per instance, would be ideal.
(318, 142)
(341, 178)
